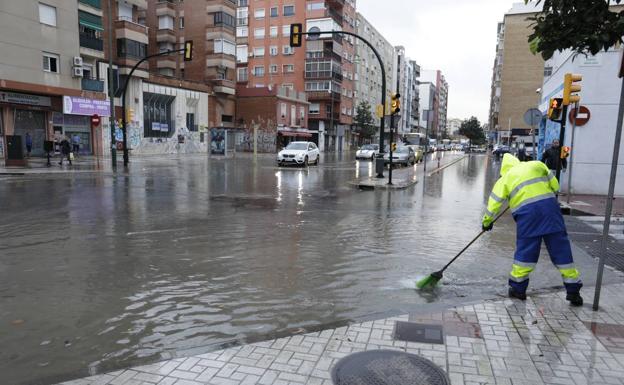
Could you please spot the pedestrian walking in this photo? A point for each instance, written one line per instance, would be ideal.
(75, 144)
(522, 152)
(28, 144)
(551, 154)
(530, 189)
(65, 150)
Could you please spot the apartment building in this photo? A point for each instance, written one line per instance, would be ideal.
(428, 99)
(368, 75)
(517, 73)
(42, 88)
(405, 81)
(438, 115)
(323, 68)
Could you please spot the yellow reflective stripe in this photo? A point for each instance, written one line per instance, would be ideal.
(520, 273)
(572, 273)
(527, 183)
(533, 200)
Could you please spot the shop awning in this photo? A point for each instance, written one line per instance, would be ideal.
(295, 134)
(90, 20)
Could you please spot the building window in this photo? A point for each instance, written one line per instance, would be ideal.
(50, 62)
(290, 86)
(241, 74)
(243, 3)
(259, 13)
(283, 109)
(288, 68)
(258, 52)
(286, 30)
(190, 122)
(273, 31)
(157, 115)
(242, 16)
(315, 109)
(181, 22)
(316, 6)
(273, 68)
(548, 71)
(242, 52)
(166, 72)
(289, 10)
(242, 31)
(258, 71)
(273, 51)
(259, 33)
(224, 19)
(274, 12)
(131, 48)
(47, 14)
(225, 47)
(288, 50)
(165, 22)
(164, 47)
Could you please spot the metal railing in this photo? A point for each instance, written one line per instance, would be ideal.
(91, 42)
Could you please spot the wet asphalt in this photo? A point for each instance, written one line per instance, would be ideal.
(102, 271)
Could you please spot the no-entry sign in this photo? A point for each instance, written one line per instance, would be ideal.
(95, 120)
(583, 116)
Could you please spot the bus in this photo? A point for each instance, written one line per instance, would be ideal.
(415, 138)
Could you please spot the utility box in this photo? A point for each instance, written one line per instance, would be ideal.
(379, 166)
(15, 151)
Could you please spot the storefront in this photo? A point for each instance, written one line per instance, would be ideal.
(76, 122)
(25, 114)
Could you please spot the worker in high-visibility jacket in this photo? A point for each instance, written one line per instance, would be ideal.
(530, 188)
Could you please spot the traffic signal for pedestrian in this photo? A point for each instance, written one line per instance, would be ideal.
(129, 115)
(565, 152)
(393, 146)
(295, 34)
(571, 87)
(188, 50)
(555, 109)
(396, 104)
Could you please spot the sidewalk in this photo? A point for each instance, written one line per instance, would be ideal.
(540, 341)
(594, 204)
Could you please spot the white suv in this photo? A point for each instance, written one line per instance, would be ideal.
(299, 153)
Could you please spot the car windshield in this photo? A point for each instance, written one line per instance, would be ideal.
(297, 146)
(369, 147)
(402, 150)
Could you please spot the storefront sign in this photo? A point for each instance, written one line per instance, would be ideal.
(17, 98)
(83, 106)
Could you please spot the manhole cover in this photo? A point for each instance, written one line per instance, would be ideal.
(387, 367)
(413, 332)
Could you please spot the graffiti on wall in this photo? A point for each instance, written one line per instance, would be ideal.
(1, 147)
(134, 136)
(266, 141)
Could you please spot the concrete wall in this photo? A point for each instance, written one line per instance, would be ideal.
(593, 143)
(23, 39)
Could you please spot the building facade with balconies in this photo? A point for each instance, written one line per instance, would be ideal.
(49, 47)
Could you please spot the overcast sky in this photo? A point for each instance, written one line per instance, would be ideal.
(457, 37)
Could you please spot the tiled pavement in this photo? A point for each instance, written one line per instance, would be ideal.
(540, 341)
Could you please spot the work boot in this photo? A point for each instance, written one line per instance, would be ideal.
(575, 299)
(515, 294)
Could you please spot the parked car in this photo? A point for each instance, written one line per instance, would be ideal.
(500, 150)
(418, 152)
(367, 151)
(403, 155)
(299, 153)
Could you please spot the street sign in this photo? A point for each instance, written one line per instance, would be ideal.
(379, 111)
(314, 33)
(582, 117)
(95, 120)
(532, 117)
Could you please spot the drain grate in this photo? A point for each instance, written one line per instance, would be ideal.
(387, 367)
(413, 332)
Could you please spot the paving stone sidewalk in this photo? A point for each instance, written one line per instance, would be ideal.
(540, 341)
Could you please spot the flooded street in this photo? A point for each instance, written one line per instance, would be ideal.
(99, 272)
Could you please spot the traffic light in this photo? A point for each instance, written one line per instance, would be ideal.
(570, 88)
(295, 34)
(393, 147)
(565, 152)
(188, 50)
(396, 104)
(555, 109)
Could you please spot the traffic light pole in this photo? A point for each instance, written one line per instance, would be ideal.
(390, 152)
(123, 100)
(382, 123)
(564, 118)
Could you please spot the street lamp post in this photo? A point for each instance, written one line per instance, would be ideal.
(111, 88)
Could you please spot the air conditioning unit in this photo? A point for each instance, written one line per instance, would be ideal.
(78, 61)
(77, 72)
(251, 54)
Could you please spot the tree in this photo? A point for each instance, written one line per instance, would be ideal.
(364, 120)
(585, 26)
(471, 129)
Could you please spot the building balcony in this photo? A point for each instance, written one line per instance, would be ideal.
(224, 86)
(323, 95)
(166, 36)
(166, 62)
(337, 16)
(92, 85)
(165, 8)
(128, 29)
(92, 3)
(339, 4)
(90, 42)
(324, 55)
(324, 75)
